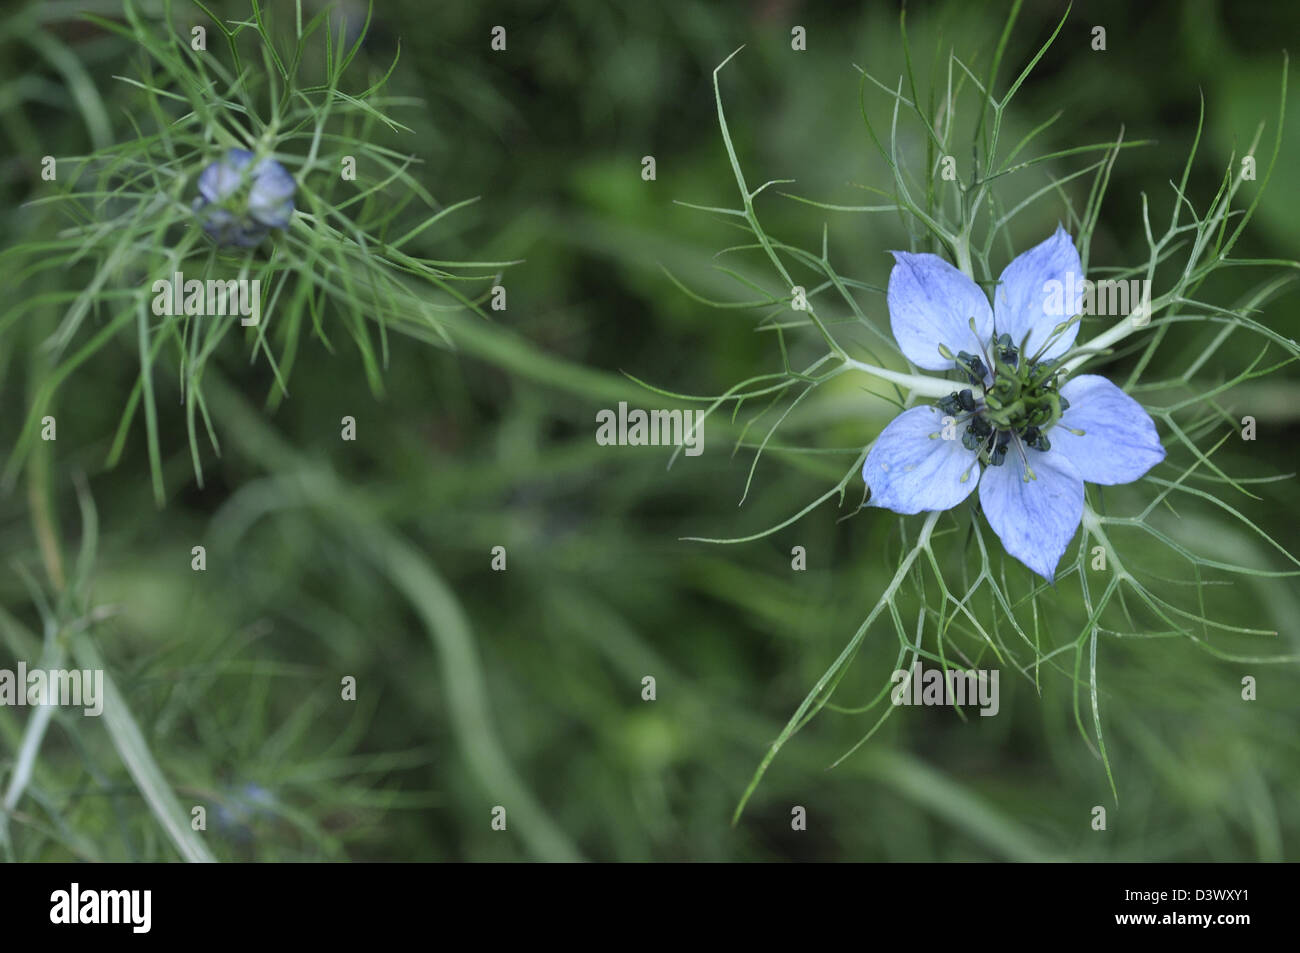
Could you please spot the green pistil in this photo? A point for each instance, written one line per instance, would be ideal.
(1018, 407)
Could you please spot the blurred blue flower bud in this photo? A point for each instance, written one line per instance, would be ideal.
(239, 205)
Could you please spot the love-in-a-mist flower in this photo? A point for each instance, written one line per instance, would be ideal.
(241, 201)
(1026, 435)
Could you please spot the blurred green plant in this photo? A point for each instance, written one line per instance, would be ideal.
(128, 220)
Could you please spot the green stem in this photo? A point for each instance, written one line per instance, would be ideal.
(962, 253)
(816, 699)
(1101, 342)
(920, 384)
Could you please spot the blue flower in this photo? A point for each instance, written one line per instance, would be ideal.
(1025, 438)
(239, 205)
(237, 810)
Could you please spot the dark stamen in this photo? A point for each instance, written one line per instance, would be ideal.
(1017, 401)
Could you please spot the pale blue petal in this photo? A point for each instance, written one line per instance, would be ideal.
(270, 201)
(908, 470)
(1035, 519)
(1119, 441)
(1025, 301)
(222, 177)
(931, 303)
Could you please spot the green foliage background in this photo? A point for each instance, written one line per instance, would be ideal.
(523, 688)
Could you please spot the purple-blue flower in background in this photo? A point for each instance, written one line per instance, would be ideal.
(241, 201)
(1028, 437)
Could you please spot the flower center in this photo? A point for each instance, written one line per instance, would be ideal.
(1020, 402)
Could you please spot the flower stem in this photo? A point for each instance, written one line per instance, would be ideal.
(1092, 521)
(920, 384)
(963, 257)
(821, 692)
(1117, 332)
